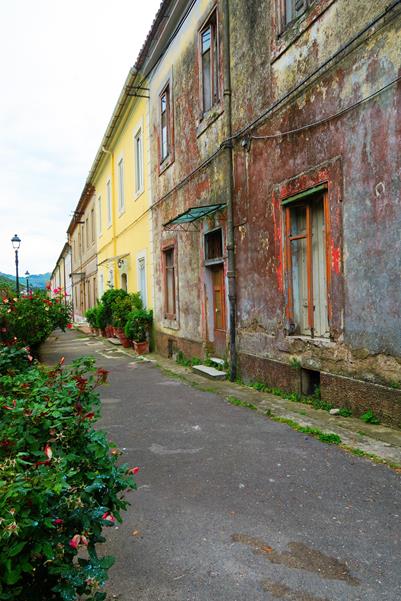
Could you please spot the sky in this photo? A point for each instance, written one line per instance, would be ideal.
(63, 65)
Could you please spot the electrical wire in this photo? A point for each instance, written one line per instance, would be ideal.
(330, 117)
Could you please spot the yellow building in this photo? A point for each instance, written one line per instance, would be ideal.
(120, 177)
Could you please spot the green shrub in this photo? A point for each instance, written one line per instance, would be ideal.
(91, 317)
(138, 325)
(108, 299)
(101, 321)
(60, 482)
(121, 308)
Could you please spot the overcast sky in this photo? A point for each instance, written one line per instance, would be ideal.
(63, 64)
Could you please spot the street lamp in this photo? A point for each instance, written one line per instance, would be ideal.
(16, 244)
(27, 274)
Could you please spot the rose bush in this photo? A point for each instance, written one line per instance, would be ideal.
(29, 319)
(60, 480)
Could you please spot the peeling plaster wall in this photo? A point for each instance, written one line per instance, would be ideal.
(355, 154)
(364, 187)
(194, 139)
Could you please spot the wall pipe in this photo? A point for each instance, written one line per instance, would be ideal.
(228, 146)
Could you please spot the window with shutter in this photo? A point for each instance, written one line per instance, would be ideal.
(295, 9)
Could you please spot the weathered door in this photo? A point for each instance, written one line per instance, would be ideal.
(219, 310)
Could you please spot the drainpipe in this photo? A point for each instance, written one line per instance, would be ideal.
(230, 188)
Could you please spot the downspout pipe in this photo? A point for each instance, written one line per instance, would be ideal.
(230, 188)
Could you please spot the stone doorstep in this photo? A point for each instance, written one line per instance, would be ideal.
(217, 361)
(209, 372)
(115, 341)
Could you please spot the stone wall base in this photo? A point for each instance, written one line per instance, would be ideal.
(168, 344)
(340, 391)
(360, 396)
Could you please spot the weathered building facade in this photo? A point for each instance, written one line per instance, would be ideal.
(283, 118)
(82, 240)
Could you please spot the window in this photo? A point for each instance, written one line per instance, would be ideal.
(99, 216)
(93, 225)
(138, 157)
(110, 281)
(108, 201)
(124, 282)
(87, 231)
(142, 279)
(169, 283)
(101, 285)
(209, 64)
(214, 245)
(121, 201)
(293, 9)
(165, 123)
(307, 270)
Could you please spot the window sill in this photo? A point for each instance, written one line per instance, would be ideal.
(171, 323)
(121, 213)
(317, 340)
(209, 118)
(139, 193)
(166, 163)
(290, 34)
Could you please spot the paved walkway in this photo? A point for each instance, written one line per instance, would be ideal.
(233, 506)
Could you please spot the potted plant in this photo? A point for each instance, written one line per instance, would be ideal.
(137, 329)
(91, 317)
(121, 308)
(108, 300)
(101, 321)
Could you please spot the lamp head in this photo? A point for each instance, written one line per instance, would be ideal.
(15, 242)
(27, 274)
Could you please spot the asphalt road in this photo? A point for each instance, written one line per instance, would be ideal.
(234, 507)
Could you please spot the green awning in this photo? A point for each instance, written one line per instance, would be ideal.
(304, 194)
(193, 214)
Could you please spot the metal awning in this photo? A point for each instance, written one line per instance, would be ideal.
(182, 221)
(110, 259)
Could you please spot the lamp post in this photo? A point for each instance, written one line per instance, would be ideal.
(16, 244)
(27, 274)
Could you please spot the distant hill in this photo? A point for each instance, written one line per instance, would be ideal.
(35, 281)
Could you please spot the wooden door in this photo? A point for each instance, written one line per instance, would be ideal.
(219, 310)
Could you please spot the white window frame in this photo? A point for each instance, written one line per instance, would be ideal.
(142, 256)
(101, 285)
(99, 216)
(139, 170)
(109, 206)
(120, 180)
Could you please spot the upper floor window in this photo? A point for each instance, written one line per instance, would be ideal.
(209, 63)
(293, 9)
(99, 216)
(165, 134)
(138, 158)
(93, 225)
(87, 232)
(108, 202)
(121, 201)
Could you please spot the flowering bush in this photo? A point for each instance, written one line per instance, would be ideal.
(28, 320)
(59, 478)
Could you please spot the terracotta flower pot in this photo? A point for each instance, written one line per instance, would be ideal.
(141, 348)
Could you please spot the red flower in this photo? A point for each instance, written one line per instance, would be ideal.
(74, 542)
(14, 404)
(58, 522)
(108, 517)
(48, 451)
(69, 326)
(90, 415)
(134, 470)
(101, 375)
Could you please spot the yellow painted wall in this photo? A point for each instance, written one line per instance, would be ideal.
(128, 237)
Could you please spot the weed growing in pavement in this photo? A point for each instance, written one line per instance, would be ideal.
(370, 418)
(239, 403)
(327, 437)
